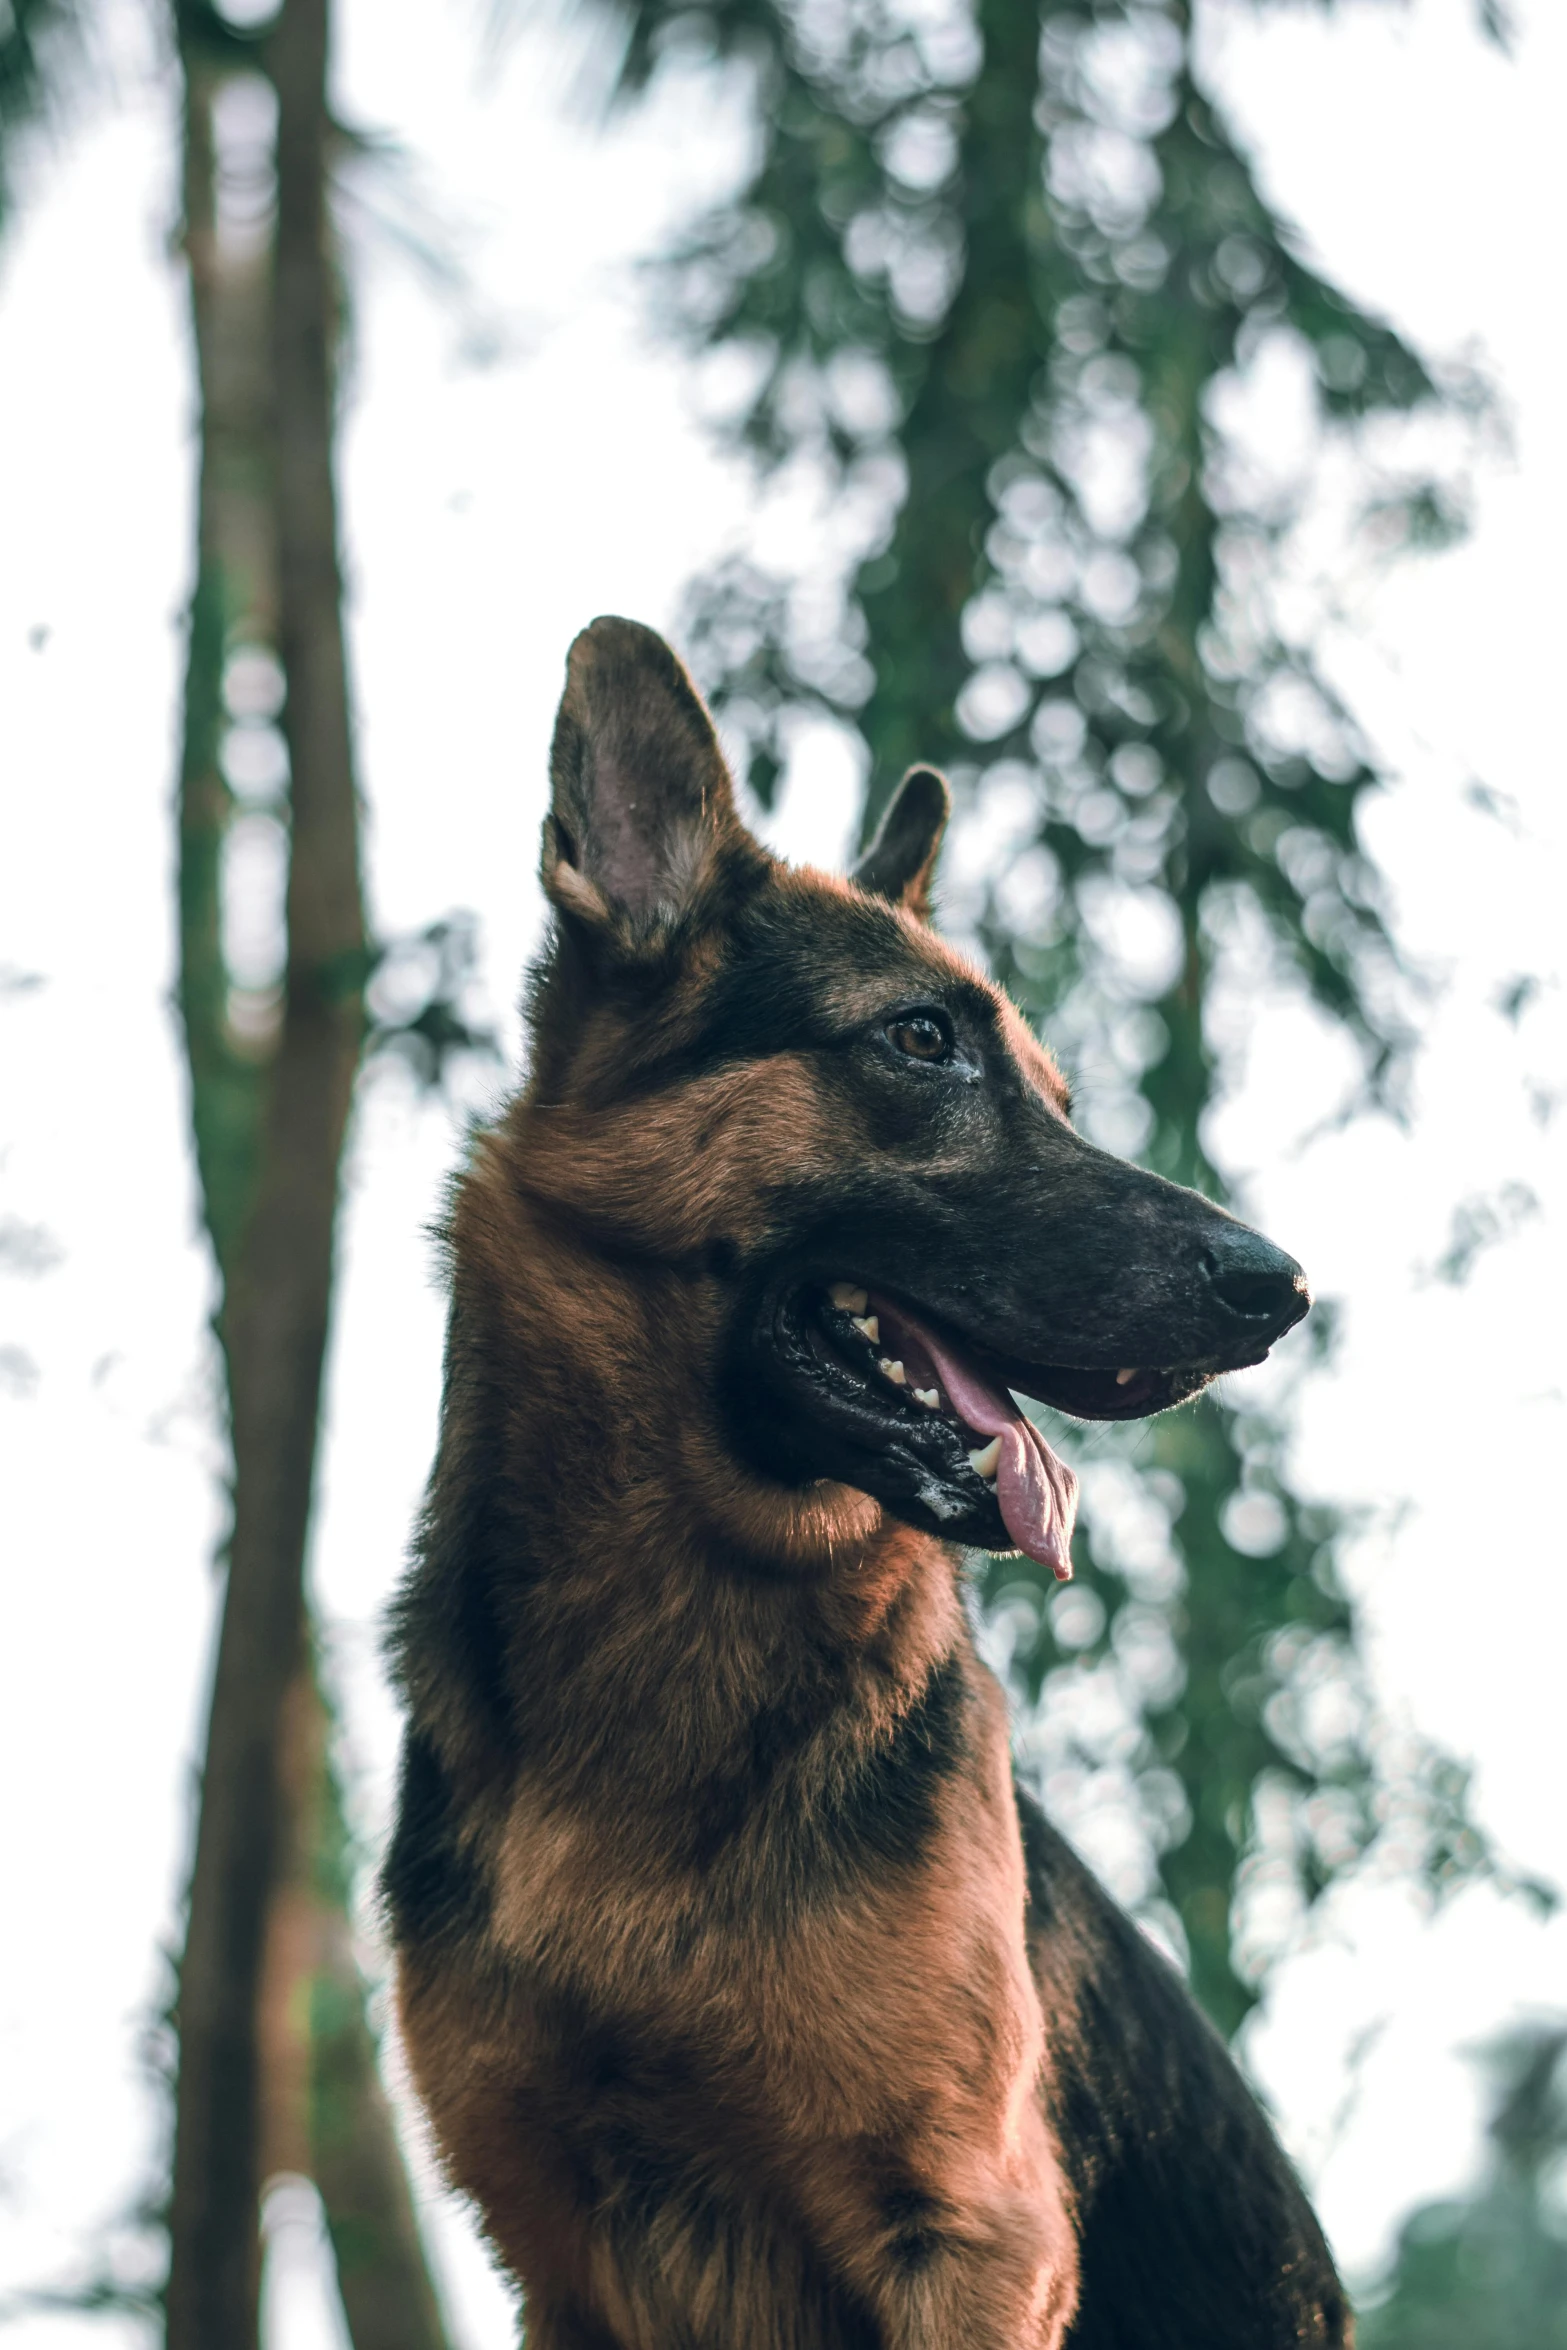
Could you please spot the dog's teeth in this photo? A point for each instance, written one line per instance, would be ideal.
(1125, 1378)
(983, 1463)
(847, 1298)
(893, 1371)
(868, 1327)
(930, 1397)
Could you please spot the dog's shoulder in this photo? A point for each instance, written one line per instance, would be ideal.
(1192, 2223)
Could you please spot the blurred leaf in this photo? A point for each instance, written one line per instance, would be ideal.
(1497, 23)
(1480, 1223)
(421, 1001)
(40, 57)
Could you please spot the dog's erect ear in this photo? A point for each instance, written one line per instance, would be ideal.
(641, 799)
(901, 861)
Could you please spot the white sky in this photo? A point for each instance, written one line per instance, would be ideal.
(490, 511)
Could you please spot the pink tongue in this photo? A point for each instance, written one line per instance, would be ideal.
(1037, 1492)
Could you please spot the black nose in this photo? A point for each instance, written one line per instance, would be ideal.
(1256, 1282)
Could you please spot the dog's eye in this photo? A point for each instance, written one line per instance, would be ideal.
(923, 1036)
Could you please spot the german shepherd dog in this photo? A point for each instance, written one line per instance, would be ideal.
(751, 2003)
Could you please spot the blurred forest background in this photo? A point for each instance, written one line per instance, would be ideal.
(1092, 446)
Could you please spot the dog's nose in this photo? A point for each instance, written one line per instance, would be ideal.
(1255, 1282)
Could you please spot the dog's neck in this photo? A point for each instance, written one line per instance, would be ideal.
(646, 1597)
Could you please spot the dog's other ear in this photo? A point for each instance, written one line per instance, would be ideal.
(901, 861)
(641, 800)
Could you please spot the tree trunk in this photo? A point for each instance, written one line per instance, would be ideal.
(277, 2058)
(214, 2271)
(388, 2298)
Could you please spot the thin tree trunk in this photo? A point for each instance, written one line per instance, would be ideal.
(214, 2271)
(382, 2275)
(269, 1983)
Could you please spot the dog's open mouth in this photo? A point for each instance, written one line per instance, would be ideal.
(925, 1419)
(912, 1370)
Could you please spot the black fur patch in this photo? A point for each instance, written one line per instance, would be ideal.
(915, 2241)
(430, 1882)
(825, 1821)
(885, 1813)
(445, 1634)
(767, 997)
(1192, 2225)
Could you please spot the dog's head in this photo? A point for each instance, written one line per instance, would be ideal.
(785, 1085)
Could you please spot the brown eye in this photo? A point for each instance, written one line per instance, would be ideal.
(923, 1036)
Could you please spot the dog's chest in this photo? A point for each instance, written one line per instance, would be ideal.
(779, 1970)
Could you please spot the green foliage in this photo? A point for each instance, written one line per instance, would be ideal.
(33, 37)
(993, 284)
(1488, 2271)
(419, 997)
